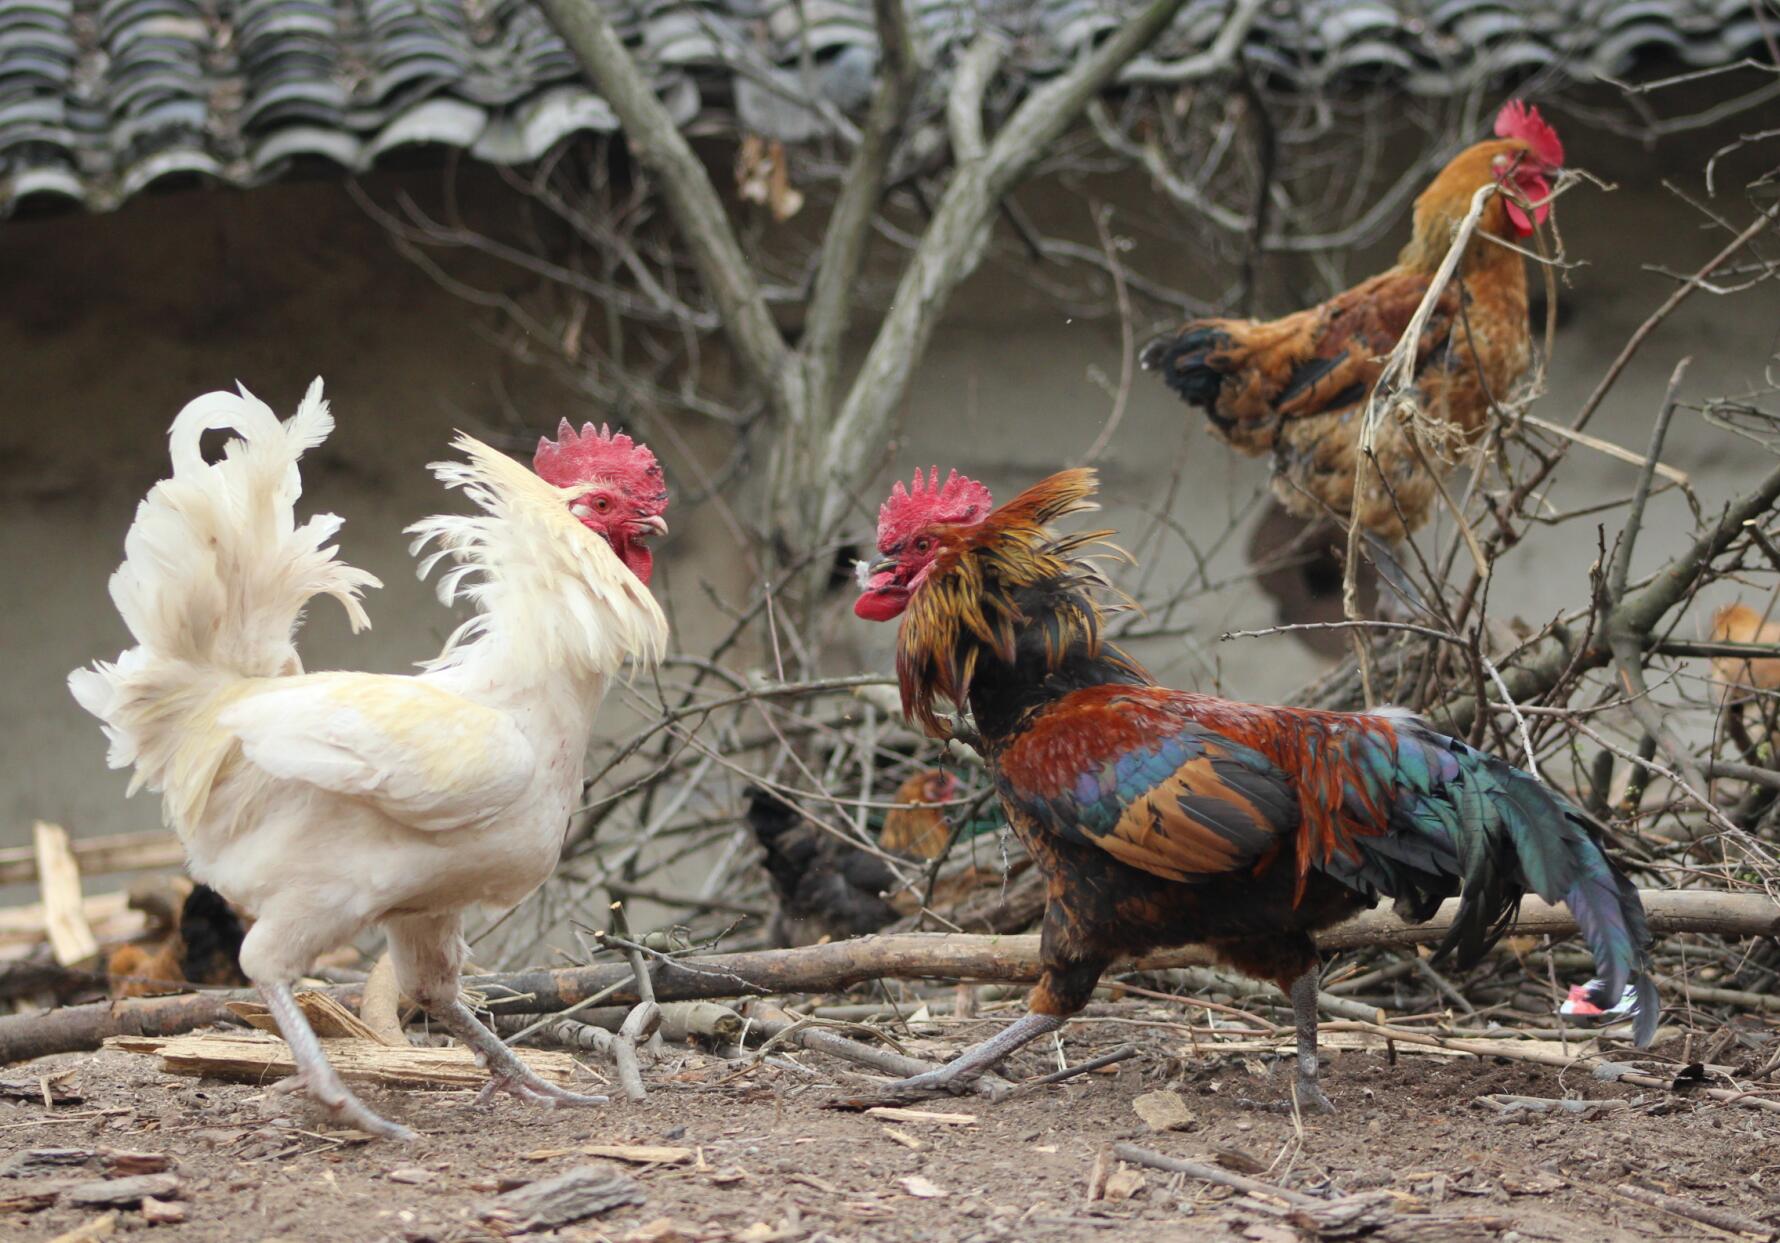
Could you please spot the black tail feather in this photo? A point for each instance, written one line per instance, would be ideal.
(1184, 361)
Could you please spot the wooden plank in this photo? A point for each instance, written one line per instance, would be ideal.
(100, 856)
(254, 1057)
(109, 914)
(71, 937)
(327, 1017)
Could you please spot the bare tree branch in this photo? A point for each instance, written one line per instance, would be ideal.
(849, 227)
(658, 144)
(954, 242)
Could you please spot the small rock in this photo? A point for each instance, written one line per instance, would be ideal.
(124, 1192)
(1163, 1111)
(409, 1174)
(920, 1187)
(162, 1212)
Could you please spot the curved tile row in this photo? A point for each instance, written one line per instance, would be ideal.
(101, 98)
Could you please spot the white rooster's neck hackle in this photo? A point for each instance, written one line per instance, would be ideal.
(552, 599)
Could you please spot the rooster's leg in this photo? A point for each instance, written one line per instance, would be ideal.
(428, 952)
(506, 1073)
(1304, 991)
(979, 1058)
(315, 1075)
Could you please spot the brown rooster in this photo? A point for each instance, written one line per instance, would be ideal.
(202, 945)
(917, 827)
(1296, 387)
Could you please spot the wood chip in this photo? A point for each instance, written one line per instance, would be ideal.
(1163, 1111)
(32, 1089)
(251, 1057)
(896, 1113)
(639, 1154)
(37, 1161)
(924, 1188)
(98, 1228)
(1098, 1173)
(32, 1195)
(664, 1230)
(329, 1018)
(583, 1192)
(162, 1212)
(1122, 1184)
(124, 1192)
(109, 914)
(412, 1175)
(120, 1161)
(1537, 1183)
(71, 937)
(636, 1154)
(904, 1138)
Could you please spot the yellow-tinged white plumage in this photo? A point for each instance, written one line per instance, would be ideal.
(322, 802)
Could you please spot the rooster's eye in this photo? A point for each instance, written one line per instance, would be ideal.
(923, 544)
(602, 504)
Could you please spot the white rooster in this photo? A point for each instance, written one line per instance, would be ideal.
(326, 802)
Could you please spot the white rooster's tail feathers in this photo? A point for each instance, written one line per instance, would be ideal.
(216, 572)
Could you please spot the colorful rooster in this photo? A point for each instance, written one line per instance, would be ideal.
(1162, 817)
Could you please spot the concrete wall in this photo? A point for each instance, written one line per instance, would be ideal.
(112, 322)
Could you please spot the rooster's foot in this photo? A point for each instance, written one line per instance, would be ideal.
(506, 1073)
(343, 1107)
(960, 1074)
(529, 1087)
(952, 1078)
(1309, 1097)
(315, 1078)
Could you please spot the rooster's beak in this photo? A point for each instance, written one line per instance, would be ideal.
(654, 524)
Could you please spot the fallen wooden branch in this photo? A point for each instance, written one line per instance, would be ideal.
(100, 856)
(256, 1057)
(1722, 1219)
(840, 964)
(1215, 1174)
(776, 1025)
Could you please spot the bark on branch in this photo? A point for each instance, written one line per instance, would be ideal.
(660, 147)
(849, 227)
(823, 968)
(953, 244)
(1639, 614)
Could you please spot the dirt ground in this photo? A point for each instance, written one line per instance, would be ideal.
(775, 1162)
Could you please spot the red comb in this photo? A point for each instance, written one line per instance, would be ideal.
(958, 501)
(1521, 120)
(599, 453)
